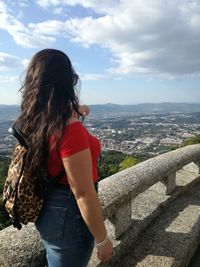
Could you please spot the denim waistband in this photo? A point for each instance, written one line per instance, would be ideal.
(66, 187)
(61, 195)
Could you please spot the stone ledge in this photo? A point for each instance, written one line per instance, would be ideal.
(146, 207)
(21, 248)
(135, 180)
(171, 239)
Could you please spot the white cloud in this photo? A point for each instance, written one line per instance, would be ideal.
(103, 6)
(26, 62)
(9, 62)
(49, 28)
(23, 3)
(22, 35)
(58, 10)
(154, 38)
(20, 3)
(8, 79)
(94, 76)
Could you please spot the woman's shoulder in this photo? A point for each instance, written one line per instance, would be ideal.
(72, 120)
(73, 124)
(74, 138)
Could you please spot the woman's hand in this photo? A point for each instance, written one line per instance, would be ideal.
(83, 109)
(105, 252)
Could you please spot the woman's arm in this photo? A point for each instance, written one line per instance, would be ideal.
(79, 172)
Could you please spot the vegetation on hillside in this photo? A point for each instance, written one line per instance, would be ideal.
(128, 161)
(190, 141)
(112, 162)
(4, 218)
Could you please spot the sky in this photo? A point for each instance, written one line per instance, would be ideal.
(125, 51)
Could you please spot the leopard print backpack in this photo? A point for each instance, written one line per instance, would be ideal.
(21, 196)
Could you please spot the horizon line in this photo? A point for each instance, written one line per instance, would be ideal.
(133, 104)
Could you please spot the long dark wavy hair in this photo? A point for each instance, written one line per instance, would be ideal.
(48, 100)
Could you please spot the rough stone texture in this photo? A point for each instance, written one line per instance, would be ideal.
(23, 248)
(170, 183)
(122, 220)
(172, 238)
(195, 262)
(146, 207)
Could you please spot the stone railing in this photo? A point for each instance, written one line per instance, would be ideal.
(116, 193)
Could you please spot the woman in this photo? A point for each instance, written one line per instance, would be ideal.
(71, 220)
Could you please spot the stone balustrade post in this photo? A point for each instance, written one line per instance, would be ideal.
(170, 182)
(197, 163)
(121, 220)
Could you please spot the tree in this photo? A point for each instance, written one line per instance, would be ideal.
(3, 172)
(192, 140)
(112, 162)
(109, 163)
(128, 162)
(4, 218)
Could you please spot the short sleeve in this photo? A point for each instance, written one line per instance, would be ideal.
(74, 139)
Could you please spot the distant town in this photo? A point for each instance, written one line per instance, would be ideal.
(146, 134)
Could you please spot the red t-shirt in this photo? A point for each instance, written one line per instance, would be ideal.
(75, 138)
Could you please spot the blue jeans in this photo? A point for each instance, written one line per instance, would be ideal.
(68, 241)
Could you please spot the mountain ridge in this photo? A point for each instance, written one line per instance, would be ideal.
(10, 112)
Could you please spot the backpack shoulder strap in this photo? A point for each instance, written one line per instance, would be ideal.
(16, 132)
